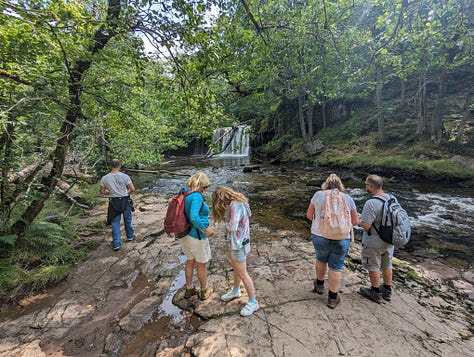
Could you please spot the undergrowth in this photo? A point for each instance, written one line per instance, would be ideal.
(44, 255)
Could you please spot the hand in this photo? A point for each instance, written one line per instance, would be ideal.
(208, 232)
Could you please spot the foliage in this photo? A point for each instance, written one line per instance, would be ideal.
(41, 259)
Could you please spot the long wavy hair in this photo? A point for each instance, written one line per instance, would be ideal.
(198, 181)
(333, 181)
(221, 198)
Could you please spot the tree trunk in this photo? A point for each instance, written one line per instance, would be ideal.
(437, 126)
(324, 116)
(310, 112)
(403, 94)
(466, 117)
(75, 80)
(421, 116)
(378, 100)
(301, 102)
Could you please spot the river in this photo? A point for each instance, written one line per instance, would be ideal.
(441, 215)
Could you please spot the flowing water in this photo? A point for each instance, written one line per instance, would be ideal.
(441, 215)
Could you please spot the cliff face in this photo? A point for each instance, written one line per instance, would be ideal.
(119, 303)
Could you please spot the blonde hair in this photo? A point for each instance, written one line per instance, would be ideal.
(198, 181)
(221, 198)
(333, 181)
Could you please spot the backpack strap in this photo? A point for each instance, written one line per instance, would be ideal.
(383, 199)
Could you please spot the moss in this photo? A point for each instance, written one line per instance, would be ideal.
(412, 274)
(464, 335)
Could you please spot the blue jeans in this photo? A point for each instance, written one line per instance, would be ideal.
(127, 219)
(332, 252)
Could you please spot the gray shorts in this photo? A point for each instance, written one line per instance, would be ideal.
(377, 259)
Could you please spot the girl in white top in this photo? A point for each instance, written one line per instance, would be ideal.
(232, 208)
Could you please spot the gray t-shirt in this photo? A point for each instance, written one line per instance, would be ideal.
(116, 184)
(372, 214)
(318, 200)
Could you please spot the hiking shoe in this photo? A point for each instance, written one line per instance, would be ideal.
(318, 289)
(386, 294)
(371, 294)
(206, 293)
(249, 309)
(332, 303)
(190, 292)
(131, 239)
(114, 247)
(230, 295)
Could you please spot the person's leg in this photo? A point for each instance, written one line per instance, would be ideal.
(236, 276)
(334, 280)
(252, 304)
(371, 260)
(127, 220)
(338, 250)
(116, 237)
(387, 272)
(202, 275)
(240, 269)
(321, 268)
(321, 247)
(374, 279)
(188, 272)
(386, 266)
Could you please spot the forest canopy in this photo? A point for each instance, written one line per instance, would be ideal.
(82, 82)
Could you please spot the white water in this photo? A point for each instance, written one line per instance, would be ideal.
(232, 141)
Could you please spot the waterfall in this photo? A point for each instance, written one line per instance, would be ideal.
(232, 141)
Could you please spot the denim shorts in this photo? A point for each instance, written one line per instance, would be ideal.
(238, 255)
(332, 252)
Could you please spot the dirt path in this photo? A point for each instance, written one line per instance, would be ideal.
(123, 304)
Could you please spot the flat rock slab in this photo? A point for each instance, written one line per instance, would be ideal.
(130, 303)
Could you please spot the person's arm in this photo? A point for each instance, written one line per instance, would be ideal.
(103, 190)
(367, 215)
(310, 212)
(365, 225)
(130, 187)
(233, 219)
(194, 218)
(355, 218)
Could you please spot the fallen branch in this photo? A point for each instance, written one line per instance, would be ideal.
(156, 172)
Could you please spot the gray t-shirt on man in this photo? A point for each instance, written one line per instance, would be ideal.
(116, 184)
(372, 214)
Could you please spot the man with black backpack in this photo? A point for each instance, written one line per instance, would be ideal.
(376, 253)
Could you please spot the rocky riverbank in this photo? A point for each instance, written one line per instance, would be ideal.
(124, 304)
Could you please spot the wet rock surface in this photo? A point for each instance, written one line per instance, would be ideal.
(126, 303)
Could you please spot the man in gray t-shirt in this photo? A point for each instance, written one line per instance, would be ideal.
(118, 186)
(376, 254)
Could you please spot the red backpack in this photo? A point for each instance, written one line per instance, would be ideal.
(335, 220)
(176, 222)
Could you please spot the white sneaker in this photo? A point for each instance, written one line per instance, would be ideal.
(230, 295)
(249, 309)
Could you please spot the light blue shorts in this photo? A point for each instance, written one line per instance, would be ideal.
(238, 255)
(332, 252)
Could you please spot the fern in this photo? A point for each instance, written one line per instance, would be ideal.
(44, 235)
(9, 239)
